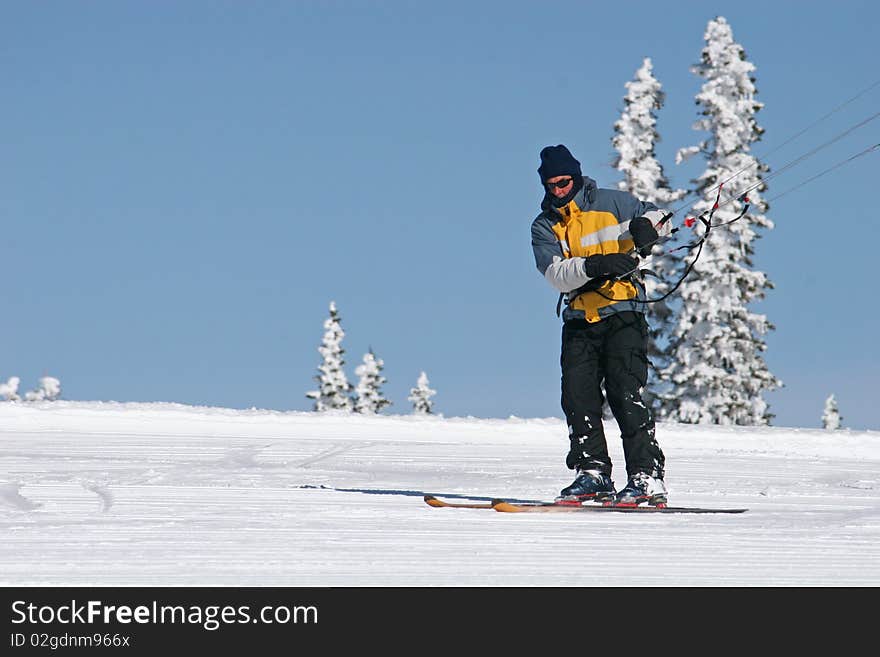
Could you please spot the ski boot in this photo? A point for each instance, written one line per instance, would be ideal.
(589, 485)
(641, 488)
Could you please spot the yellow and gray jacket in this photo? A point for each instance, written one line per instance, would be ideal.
(595, 221)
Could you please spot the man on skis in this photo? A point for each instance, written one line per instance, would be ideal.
(582, 241)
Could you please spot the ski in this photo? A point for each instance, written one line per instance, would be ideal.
(553, 507)
(430, 500)
(506, 506)
(475, 502)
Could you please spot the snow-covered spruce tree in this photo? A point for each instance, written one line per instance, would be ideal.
(49, 389)
(634, 141)
(717, 372)
(9, 390)
(368, 396)
(420, 396)
(831, 418)
(333, 393)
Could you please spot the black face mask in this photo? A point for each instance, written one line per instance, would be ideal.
(565, 200)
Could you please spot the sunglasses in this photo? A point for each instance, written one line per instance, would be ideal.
(559, 184)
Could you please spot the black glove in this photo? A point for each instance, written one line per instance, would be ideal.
(609, 266)
(644, 235)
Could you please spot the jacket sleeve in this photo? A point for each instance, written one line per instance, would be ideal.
(564, 274)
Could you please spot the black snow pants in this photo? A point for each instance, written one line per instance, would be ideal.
(613, 350)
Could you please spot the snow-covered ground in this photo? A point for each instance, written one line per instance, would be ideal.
(168, 495)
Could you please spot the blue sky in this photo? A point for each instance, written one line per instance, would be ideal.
(186, 186)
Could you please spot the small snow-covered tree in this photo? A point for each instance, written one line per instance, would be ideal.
(831, 418)
(635, 139)
(333, 386)
(717, 373)
(368, 397)
(49, 389)
(9, 390)
(420, 396)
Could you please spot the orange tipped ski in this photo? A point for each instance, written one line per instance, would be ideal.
(430, 500)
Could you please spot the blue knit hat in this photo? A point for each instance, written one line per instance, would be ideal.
(558, 161)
